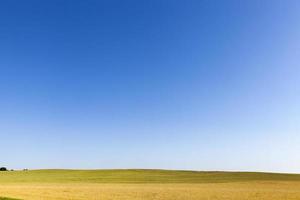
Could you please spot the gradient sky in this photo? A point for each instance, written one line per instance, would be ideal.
(204, 85)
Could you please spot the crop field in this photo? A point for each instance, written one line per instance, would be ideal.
(147, 185)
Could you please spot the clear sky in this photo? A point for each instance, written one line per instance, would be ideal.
(197, 84)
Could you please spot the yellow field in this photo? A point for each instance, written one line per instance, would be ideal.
(204, 191)
(235, 187)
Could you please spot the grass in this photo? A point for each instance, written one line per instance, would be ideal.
(137, 176)
(148, 185)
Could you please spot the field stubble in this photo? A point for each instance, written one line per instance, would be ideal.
(52, 185)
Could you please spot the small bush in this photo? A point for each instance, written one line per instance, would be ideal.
(3, 169)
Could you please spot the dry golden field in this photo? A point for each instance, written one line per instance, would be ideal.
(200, 191)
(234, 186)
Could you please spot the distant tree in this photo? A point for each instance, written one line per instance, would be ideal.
(3, 169)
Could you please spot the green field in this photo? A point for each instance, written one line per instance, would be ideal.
(148, 185)
(5, 198)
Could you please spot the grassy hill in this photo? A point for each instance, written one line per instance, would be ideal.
(147, 185)
(138, 176)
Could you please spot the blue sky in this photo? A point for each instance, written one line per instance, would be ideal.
(205, 85)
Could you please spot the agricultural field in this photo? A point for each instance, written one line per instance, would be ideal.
(147, 185)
